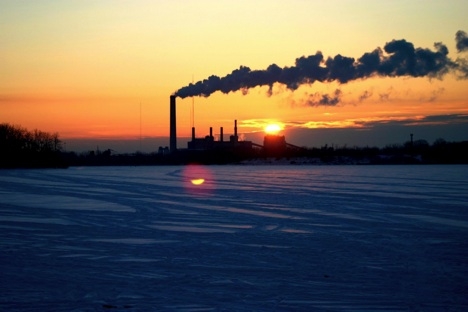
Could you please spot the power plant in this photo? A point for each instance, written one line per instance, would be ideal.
(209, 143)
(273, 145)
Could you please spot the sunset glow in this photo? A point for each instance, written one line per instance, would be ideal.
(272, 128)
(105, 70)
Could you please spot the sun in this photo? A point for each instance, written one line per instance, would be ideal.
(272, 128)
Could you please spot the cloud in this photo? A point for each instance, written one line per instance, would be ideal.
(430, 120)
(318, 99)
(445, 119)
(369, 123)
(435, 94)
(379, 131)
(462, 41)
(397, 58)
(365, 95)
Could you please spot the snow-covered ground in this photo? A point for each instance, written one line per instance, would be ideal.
(246, 238)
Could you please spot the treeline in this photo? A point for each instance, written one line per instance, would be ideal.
(417, 152)
(21, 148)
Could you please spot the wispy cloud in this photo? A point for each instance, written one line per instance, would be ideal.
(318, 99)
(363, 123)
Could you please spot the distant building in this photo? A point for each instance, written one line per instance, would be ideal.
(209, 143)
(163, 150)
(274, 145)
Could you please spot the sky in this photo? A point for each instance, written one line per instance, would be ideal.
(100, 73)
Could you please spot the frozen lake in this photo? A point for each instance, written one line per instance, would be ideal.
(242, 238)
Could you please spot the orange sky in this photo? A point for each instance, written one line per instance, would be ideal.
(88, 69)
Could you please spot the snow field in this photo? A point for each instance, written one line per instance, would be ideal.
(257, 238)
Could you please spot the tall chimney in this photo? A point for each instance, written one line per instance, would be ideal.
(193, 133)
(235, 127)
(172, 127)
(221, 134)
(211, 132)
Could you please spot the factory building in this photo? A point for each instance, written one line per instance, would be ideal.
(209, 142)
(273, 145)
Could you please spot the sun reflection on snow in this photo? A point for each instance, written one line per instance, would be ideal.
(197, 179)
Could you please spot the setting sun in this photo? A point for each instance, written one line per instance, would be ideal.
(273, 128)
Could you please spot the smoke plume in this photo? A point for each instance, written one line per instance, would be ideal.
(462, 41)
(318, 99)
(397, 58)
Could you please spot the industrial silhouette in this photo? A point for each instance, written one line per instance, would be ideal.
(273, 145)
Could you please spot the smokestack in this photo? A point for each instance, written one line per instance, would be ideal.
(172, 127)
(211, 132)
(221, 134)
(235, 128)
(193, 133)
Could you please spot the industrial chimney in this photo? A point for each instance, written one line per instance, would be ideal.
(172, 127)
(234, 138)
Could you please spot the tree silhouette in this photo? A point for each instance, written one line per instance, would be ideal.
(22, 148)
